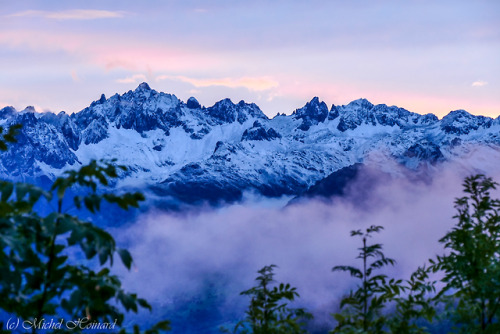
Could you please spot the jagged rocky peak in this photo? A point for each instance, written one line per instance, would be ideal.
(355, 114)
(258, 132)
(40, 140)
(225, 111)
(192, 103)
(314, 112)
(143, 86)
(101, 100)
(461, 122)
(429, 118)
(141, 94)
(245, 136)
(314, 109)
(362, 111)
(252, 110)
(144, 94)
(334, 112)
(401, 117)
(459, 114)
(143, 110)
(7, 112)
(27, 119)
(52, 118)
(360, 104)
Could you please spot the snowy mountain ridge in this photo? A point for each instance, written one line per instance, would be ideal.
(190, 152)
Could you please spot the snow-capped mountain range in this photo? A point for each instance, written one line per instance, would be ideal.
(193, 153)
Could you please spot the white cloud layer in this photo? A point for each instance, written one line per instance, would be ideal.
(479, 83)
(251, 83)
(74, 14)
(176, 254)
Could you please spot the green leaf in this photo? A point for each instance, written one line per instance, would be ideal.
(125, 257)
(103, 255)
(77, 200)
(89, 204)
(143, 303)
(7, 189)
(163, 325)
(128, 301)
(21, 190)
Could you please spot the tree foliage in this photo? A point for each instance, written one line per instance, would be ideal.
(9, 136)
(39, 278)
(381, 304)
(361, 310)
(471, 266)
(268, 312)
(413, 299)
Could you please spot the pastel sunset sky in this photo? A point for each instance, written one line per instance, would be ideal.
(425, 56)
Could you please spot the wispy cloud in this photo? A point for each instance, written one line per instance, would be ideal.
(479, 83)
(112, 51)
(75, 76)
(251, 83)
(132, 79)
(74, 14)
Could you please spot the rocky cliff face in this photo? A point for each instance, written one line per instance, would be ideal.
(194, 153)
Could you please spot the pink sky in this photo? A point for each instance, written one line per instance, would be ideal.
(420, 55)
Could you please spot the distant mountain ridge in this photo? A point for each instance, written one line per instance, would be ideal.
(184, 151)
